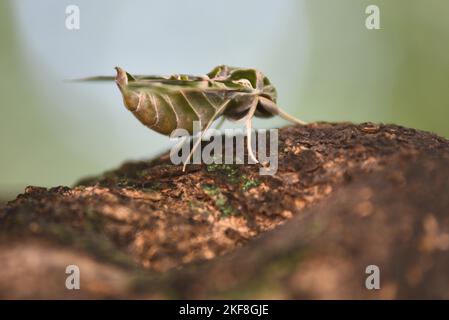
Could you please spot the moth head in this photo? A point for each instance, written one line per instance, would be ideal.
(130, 97)
(122, 78)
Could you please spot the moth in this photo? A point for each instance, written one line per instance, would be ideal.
(174, 102)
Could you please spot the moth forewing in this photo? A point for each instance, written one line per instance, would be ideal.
(202, 105)
(184, 111)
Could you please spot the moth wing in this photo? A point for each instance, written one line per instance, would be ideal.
(167, 85)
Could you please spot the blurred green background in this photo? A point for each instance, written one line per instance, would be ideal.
(324, 62)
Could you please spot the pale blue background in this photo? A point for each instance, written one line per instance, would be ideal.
(325, 64)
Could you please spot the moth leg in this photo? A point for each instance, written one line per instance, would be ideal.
(273, 108)
(286, 116)
(249, 125)
(220, 123)
(198, 142)
(248, 140)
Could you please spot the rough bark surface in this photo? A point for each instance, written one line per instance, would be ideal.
(345, 196)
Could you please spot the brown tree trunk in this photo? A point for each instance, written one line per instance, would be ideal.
(345, 197)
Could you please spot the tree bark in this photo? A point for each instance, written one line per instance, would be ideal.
(345, 197)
